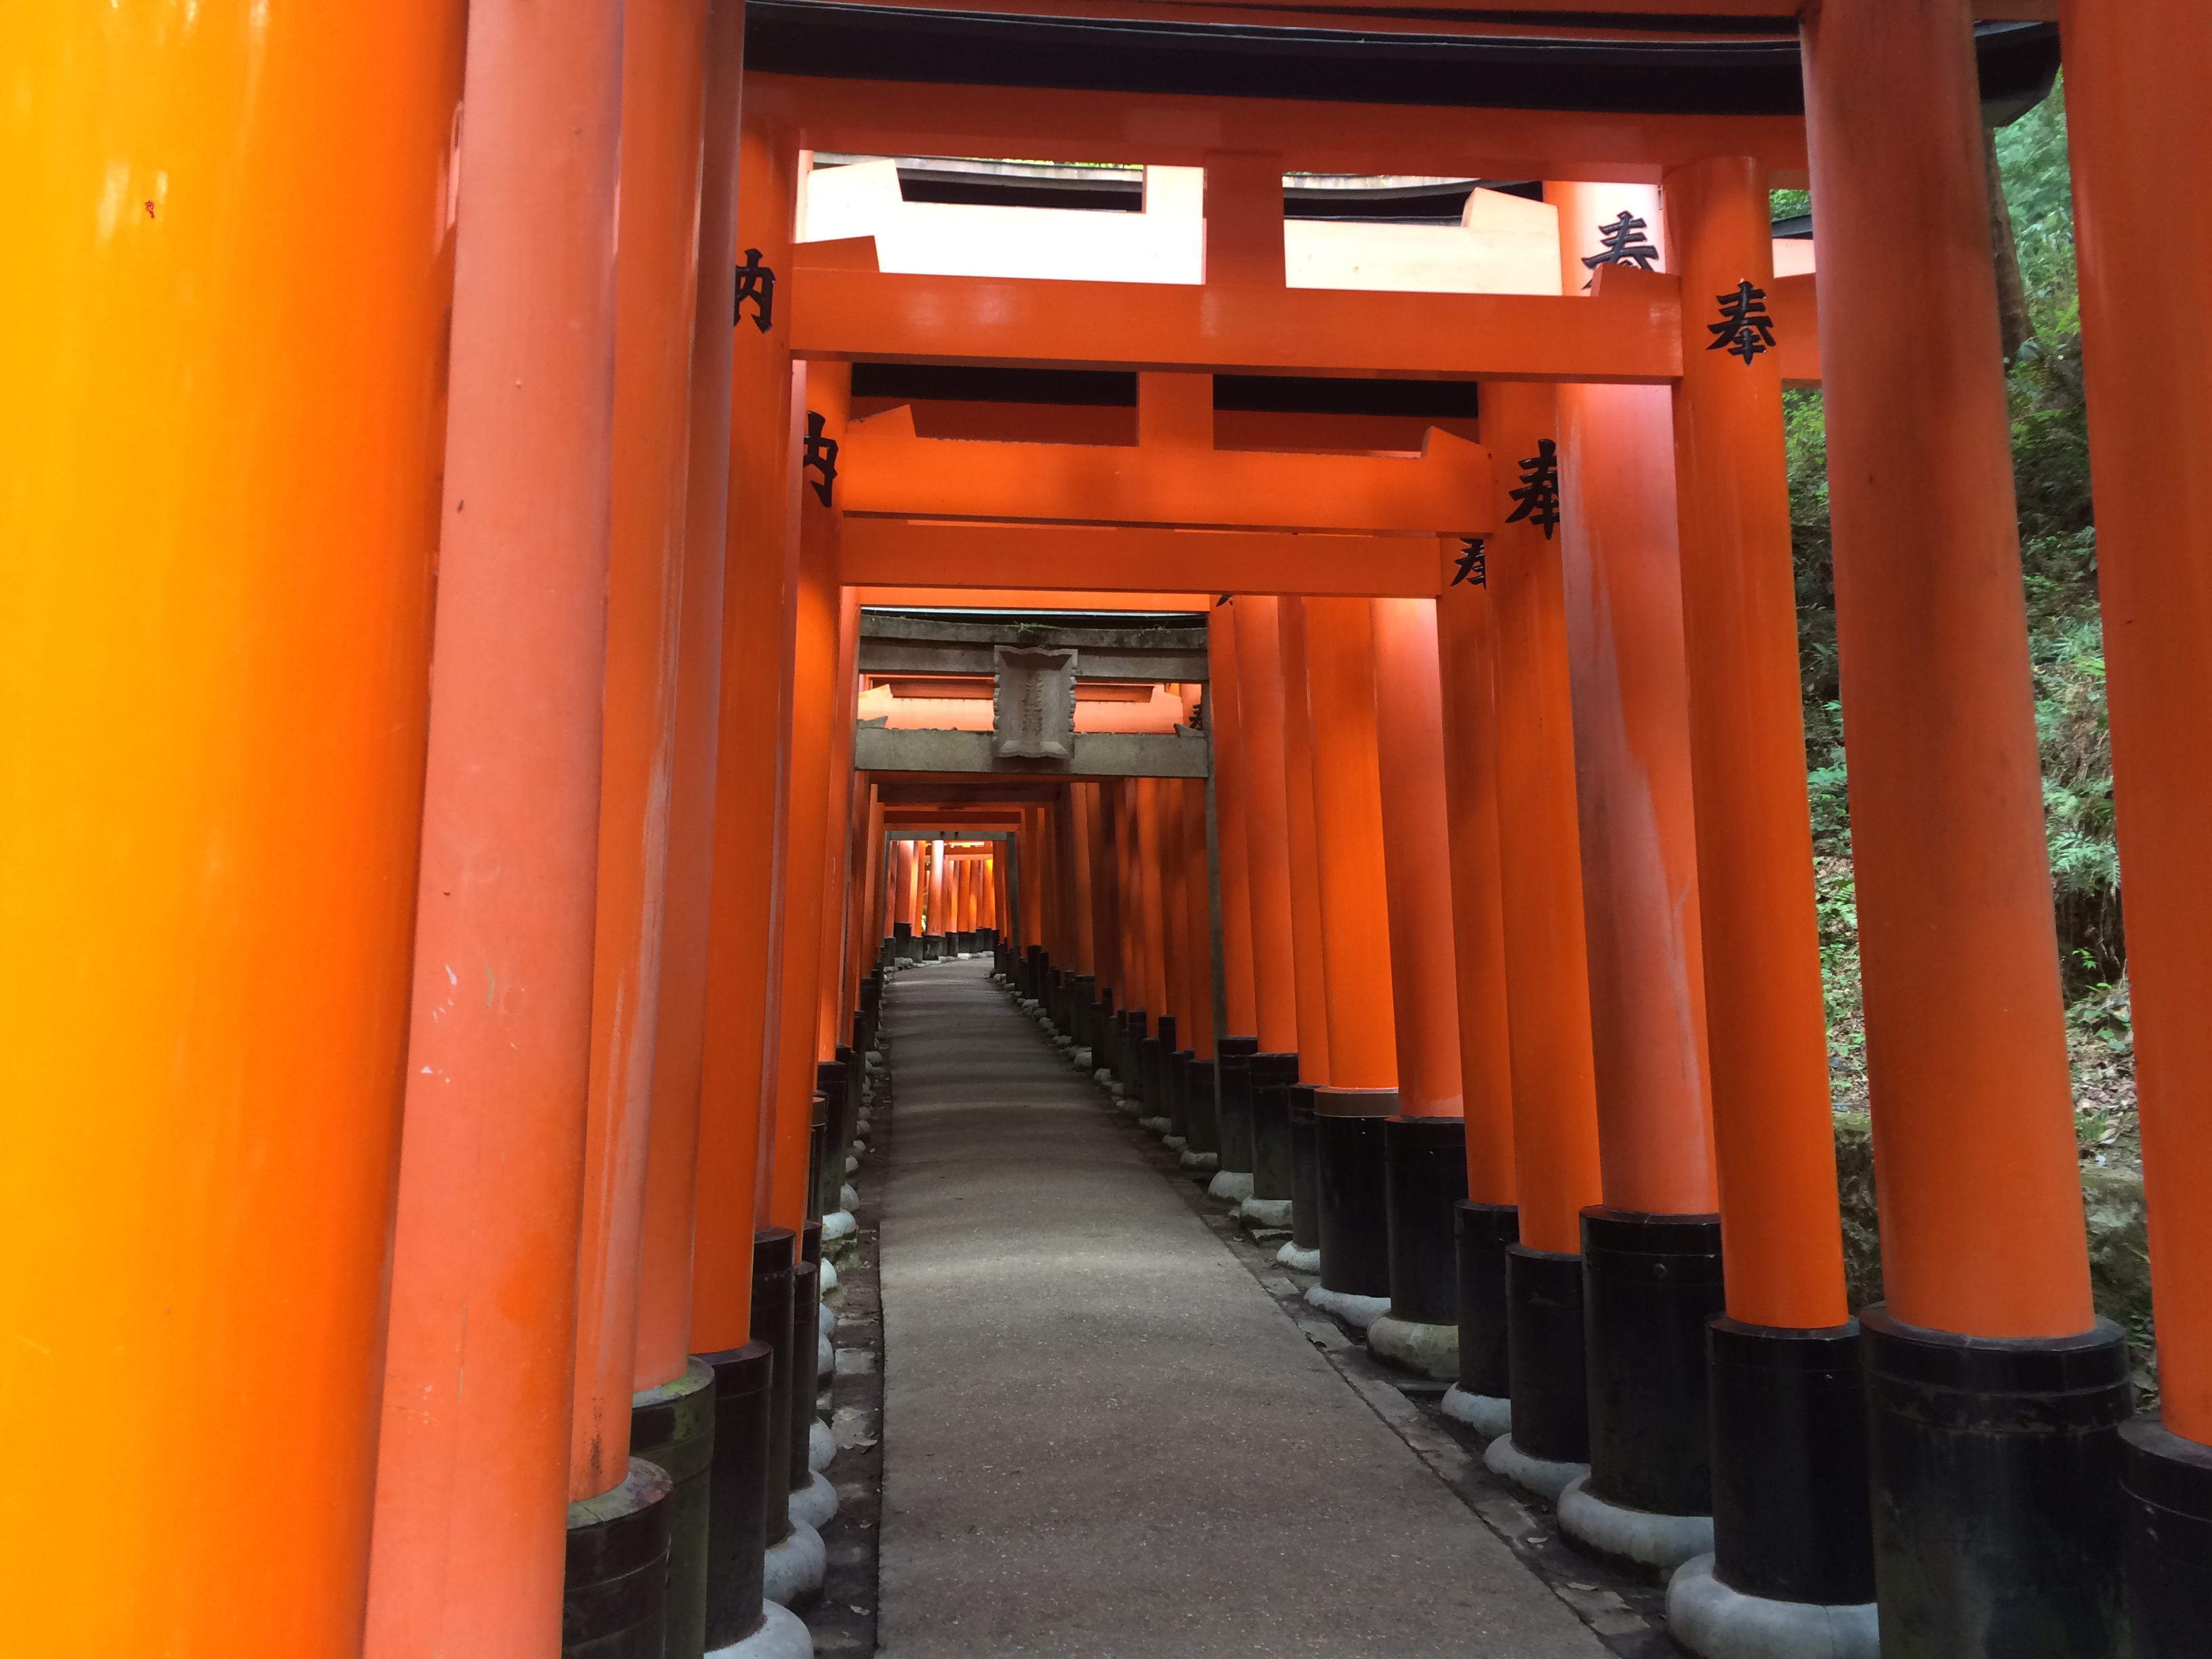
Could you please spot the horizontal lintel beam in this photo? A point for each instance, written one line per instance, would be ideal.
(1096, 754)
(898, 552)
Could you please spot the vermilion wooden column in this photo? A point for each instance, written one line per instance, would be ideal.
(1348, 818)
(656, 287)
(935, 918)
(673, 1158)
(1150, 890)
(1199, 1039)
(832, 1027)
(1083, 837)
(1310, 959)
(1105, 892)
(471, 1482)
(1555, 1140)
(1466, 653)
(2146, 349)
(1267, 822)
(816, 622)
(1984, 1271)
(1617, 549)
(1788, 1489)
(745, 922)
(227, 740)
(1184, 979)
(1232, 841)
(1417, 857)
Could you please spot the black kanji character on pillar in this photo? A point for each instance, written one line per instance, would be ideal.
(1472, 566)
(756, 282)
(821, 454)
(1744, 330)
(1539, 494)
(1622, 244)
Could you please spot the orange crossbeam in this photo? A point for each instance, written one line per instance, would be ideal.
(895, 553)
(844, 310)
(885, 471)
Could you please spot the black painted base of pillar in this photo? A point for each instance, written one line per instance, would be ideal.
(817, 1157)
(1480, 1234)
(932, 947)
(1545, 1355)
(1424, 1179)
(672, 1427)
(1233, 1054)
(2168, 1482)
(1176, 1108)
(736, 1496)
(614, 1586)
(1128, 1052)
(1352, 1187)
(774, 1251)
(1651, 1285)
(1999, 1517)
(1272, 1174)
(1202, 1120)
(1149, 1089)
(806, 1361)
(1305, 1170)
(1789, 1463)
(1083, 1012)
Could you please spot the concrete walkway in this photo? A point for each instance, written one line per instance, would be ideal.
(1101, 1436)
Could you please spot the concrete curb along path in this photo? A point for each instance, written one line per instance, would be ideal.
(1100, 1434)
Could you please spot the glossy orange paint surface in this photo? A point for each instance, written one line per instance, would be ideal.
(1973, 1123)
(1310, 962)
(1467, 661)
(1417, 857)
(846, 314)
(744, 941)
(1617, 553)
(1232, 855)
(656, 287)
(472, 1480)
(811, 616)
(664, 1316)
(1772, 1128)
(2132, 128)
(1266, 821)
(1198, 926)
(1140, 559)
(879, 117)
(838, 833)
(1340, 642)
(1555, 1136)
(894, 474)
(1151, 901)
(208, 831)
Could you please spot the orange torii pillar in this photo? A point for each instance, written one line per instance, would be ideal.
(1302, 1251)
(1233, 864)
(1105, 924)
(1650, 1432)
(742, 1261)
(2000, 1515)
(1349, 1113)
(1129, 1024)
(1275, 1068)
(814, 645)
(2134, 128)
(934, 917)
(227, 740)
(1488, 1218)
(1555, 1133)
(1083, 980)
(1184, 977)
(471, 1483)
(1424, 1146)
(663, 1402)
(663, 93)
(1791, 1537)
(1159, 1043)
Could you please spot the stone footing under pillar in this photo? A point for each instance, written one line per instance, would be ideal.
(1358, 1311)
(1230, 1185)
(1632, 1538)
(794, 1567)
(1716, 1622)
(815, 1504)
(1540, 1475)
(1265, 1212)
(782, 1635)
(1417, 1345)
(1191, 1160)
(1488, 1415)
(821, 1446)
(1304, 1261)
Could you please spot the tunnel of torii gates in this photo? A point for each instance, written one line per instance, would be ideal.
(372, 1029)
